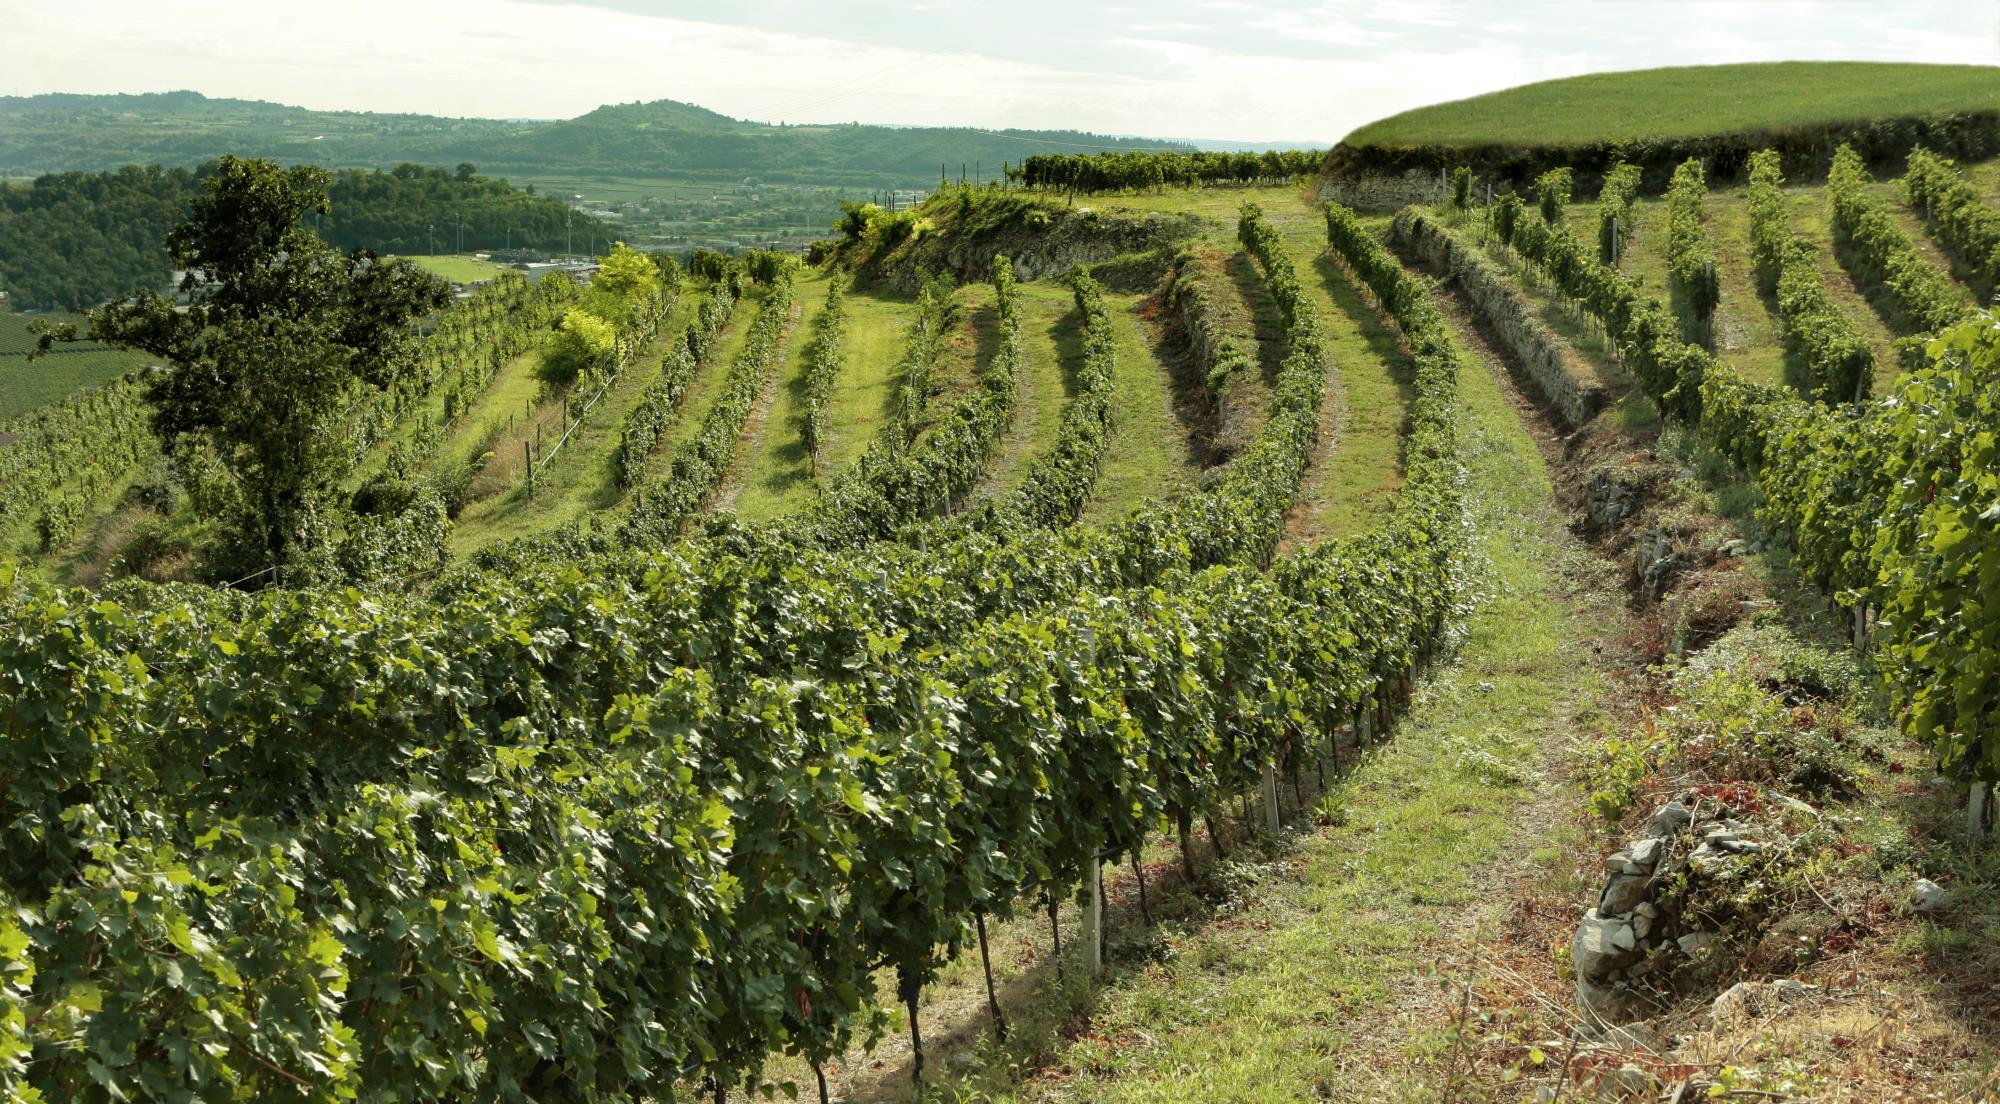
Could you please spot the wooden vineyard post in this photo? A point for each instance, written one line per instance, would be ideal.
(1268, 792)
(1139, 872)
(1093, 916)
(1055, 938)
(986, 963)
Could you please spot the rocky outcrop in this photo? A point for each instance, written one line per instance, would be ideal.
(1653, 910)
(1042, 237)
(1568, 386)
(1378, 192)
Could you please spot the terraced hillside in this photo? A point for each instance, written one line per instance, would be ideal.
(1181, 643)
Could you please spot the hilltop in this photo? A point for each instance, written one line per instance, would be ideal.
(1691, 101)
(1657, 117)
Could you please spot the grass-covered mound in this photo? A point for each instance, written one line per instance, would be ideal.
(1658, 117)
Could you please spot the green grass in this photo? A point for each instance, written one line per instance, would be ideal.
(459, 268)
(581, 479)
(778, 476)
(1289, 990)
(26, 385)
(1354, 477)
(878, 319)
(1051, 353)
(1147, 455)
(1690, 101)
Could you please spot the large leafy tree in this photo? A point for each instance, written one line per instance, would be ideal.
(280, 334)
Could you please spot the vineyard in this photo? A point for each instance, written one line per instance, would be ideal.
(1035, 650)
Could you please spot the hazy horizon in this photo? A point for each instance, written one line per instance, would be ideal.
(1193, 69)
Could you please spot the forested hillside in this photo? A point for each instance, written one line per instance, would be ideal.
(73, 240)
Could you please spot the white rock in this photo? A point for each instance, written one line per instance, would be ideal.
(1694, 943)
(1622, 894)
(1928, 897)
(1748, 1000)
(1668, 819)
(1646, 852)
(1602, 945)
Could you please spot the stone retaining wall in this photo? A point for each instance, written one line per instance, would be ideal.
(1513, 318)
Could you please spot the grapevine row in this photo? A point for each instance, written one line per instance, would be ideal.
(1690, 258)
(61, 458)
(1925, 298)
(1614, 211)
(822, 367)
(1104, 172)
(1840, 366)
(661, 509)
(463, 877)
(1058, 484)
(937, 311)
(641, 430)
(1957, 216)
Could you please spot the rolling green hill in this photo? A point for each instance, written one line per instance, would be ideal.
(659, 139)
(1691, 101)
(1657, 118)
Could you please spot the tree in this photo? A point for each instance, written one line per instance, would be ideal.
(627, 275)
(582, 341)
(280, 333)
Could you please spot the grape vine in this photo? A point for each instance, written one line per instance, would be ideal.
(1840, 366)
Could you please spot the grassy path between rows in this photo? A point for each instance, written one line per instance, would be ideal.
(1051, 353)
(772, 473)
(1301, 970)
(1357, 468)
(582, 479)
(878, 321)
(1148, 455)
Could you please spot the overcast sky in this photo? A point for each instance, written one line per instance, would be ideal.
(1283, 71)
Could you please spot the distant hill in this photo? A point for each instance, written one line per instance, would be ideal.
(64, 132)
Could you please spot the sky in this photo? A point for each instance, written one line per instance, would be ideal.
(1220, 69)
